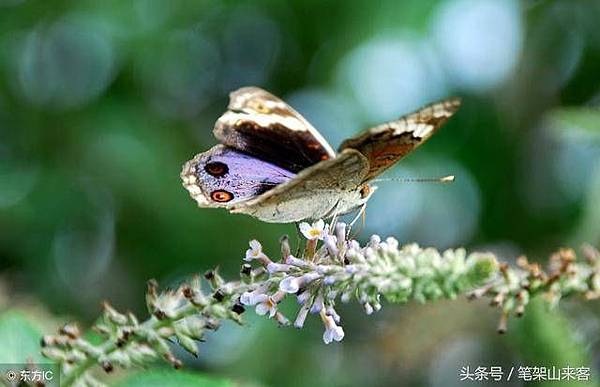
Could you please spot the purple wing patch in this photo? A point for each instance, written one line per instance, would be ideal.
(226, 176)
(293, 150)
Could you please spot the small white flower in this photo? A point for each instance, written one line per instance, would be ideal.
(317, 306)
(370, 255)
(374, 241)
(299, 323)
(392, 243)
(274, 267)
(332, 312)
(368, 308)
(383, 246)
(354, 245)
(245, 298)
(332, 330)
(327, 269)
(291, 260)
(314, 231)
(292, 284)
(268, 306)
(303, 297)
(255, 251)
(253, 298)
(331, 244)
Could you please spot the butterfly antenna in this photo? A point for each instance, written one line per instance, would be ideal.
(444, 179)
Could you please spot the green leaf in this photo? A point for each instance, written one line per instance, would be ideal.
(173, 378)
(19, 339)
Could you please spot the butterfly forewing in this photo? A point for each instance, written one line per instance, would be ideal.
(386, 144)
(262, 125)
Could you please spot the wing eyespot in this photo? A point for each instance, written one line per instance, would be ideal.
(221, 196)
(261, 108)
(216, 169)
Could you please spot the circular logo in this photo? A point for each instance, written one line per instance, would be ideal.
(11, 375)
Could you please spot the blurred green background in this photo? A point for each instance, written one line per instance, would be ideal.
(102, 101)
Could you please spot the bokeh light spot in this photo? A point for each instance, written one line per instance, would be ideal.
(179, 73)
(479, 40)
(390, 76)
(65, 64)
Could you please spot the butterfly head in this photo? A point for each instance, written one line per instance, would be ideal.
(355, 200)
(363, 195)
(366, 191)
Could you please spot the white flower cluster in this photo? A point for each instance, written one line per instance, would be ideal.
(330, 269)
(311, 300)
(333, 268)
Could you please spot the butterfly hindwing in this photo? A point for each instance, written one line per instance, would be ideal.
(314, 193)
(386, 144)
(223, 176)
(260, 124)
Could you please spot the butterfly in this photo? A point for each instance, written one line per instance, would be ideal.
(272, 164)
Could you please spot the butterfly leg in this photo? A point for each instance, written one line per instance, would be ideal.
(334, 220)
(335, 214)
(298, 238)
(361, 214)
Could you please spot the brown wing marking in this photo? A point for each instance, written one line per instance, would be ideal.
(264, 126)
(386, 144)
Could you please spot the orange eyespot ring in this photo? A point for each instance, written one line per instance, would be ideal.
(221, 196)
(216, 169)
